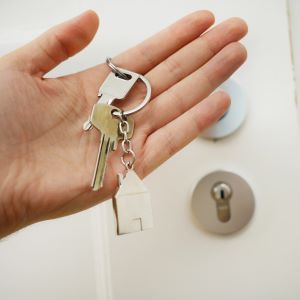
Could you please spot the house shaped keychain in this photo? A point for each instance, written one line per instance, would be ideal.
(132, 204)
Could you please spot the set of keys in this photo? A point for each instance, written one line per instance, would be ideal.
(131, 202)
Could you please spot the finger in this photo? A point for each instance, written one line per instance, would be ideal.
(155, 49)
(146, 55)
(57, 44)
(169, 139)
(197, 51)
(186, 93)
(195, 54)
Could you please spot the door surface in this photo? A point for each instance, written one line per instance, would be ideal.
(80, 257)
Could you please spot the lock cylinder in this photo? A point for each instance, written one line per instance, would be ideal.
(221, 193)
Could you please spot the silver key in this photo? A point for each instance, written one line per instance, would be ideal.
(108, 125)
(114, 88)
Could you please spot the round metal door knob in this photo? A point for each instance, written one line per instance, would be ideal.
(234, 117)
(223, 202)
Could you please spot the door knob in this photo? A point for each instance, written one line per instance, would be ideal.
(234, 117)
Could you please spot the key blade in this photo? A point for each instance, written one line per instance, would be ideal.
(104, 149)
(103, 119)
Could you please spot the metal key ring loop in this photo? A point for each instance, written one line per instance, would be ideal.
(115, 69)
(130, 160)
(144, 102)
(122, 73)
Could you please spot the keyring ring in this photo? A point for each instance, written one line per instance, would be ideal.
(123, 74)
(145, 101)
(115, 69)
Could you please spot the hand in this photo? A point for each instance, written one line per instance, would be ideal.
(47, 160)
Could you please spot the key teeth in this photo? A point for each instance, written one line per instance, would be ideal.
(87, 125)
(95, 189)
(113, 146)
(95, 186)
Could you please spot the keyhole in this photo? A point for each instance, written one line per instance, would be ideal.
(221, 193)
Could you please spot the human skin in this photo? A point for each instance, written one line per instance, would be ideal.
(47, 160)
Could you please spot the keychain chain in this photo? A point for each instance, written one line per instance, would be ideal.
(128, 157)
(131, 202)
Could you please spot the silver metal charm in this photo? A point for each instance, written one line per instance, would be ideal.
(132, 205)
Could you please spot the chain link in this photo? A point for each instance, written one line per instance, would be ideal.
(128, 157)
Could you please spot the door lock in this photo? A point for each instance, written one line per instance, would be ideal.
(223, 202)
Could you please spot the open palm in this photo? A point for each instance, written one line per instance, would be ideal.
(47, 160)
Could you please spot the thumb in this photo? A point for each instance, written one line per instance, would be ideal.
(57, 44)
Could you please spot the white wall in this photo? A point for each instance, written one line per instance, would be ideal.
(294, 15)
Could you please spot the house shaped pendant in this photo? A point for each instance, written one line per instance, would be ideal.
(132, 205)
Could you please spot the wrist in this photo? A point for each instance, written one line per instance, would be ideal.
(7, 224)
(12, 216)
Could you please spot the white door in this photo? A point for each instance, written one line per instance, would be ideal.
(80, 257)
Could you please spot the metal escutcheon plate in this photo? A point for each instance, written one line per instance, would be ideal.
(205, 207)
